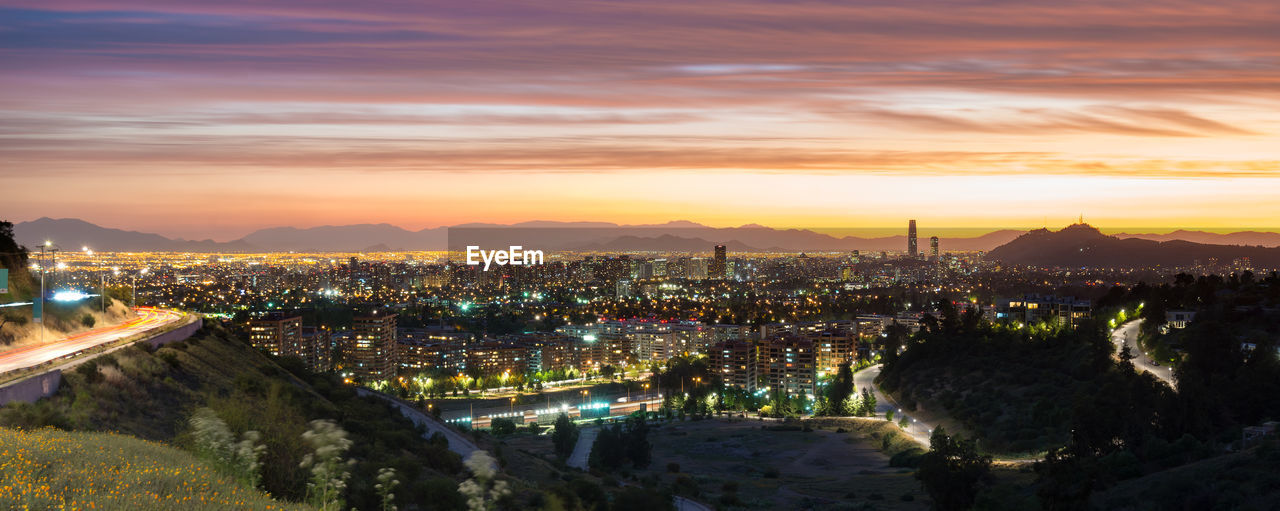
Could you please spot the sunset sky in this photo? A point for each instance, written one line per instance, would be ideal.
(214, 118)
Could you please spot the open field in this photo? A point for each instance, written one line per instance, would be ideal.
(793, 468)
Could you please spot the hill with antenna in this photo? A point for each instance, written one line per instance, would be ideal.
(1082, 245)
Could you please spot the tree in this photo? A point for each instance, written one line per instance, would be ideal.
(565, 436)
(868, 402)
(609, 450)
(639, 450)
(952, 471)
(895, 337)
(1065, 480)
(608, 372)
(502, 426)
(617, 445)
(838, 393)
(1126, 357)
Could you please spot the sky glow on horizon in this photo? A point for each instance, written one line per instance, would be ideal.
(211, 120)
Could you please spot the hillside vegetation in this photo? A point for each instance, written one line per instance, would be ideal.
(152, 395)
(1104, 425)
(51, 469)
(1015, 390)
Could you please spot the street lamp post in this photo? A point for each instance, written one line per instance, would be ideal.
(43, 269)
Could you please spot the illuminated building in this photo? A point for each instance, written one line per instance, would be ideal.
(737, 363)
(278, 334)
(373, 352)
(317, 349)
(497, 357)
(719, 264)
(912, 250)
(788, 364)
(1066, 311)
(696, 268)
(653, 340)
(933, 248)
(834, 347)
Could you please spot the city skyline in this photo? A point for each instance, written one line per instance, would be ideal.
(215, 118)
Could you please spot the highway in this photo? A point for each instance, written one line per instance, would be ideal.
(1128, 334)
(28, 356)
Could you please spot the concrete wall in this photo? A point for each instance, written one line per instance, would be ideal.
(177, 334)
(33, 388)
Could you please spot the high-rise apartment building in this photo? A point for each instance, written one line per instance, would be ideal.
(372, 351)
(696, 268)
(737, 363)
(834, 346)
(317, 349)
(278, 334)
(788, 363)
(933, 248)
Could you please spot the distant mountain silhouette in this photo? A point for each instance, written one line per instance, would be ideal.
(347, 238)
(1253, 238)
(675, 236)
(75, 234)
(668, 243)
(1082, 245)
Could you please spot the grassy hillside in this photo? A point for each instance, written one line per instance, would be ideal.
(151, 395)
(1244, 480)
(51, 469)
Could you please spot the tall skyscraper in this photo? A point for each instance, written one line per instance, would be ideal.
(912, 251)
(719, 264)
(933, 247)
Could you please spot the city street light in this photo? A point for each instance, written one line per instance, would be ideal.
(102, 282)
(48, 245)
(134, 297)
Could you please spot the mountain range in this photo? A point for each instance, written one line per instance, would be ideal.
(677, 236)
(1082, 245)
(1252, 238)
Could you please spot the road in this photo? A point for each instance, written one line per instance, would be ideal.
(918, 430)
(1127, 334)
(27, 356)
(458, 442)
(582, 449)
